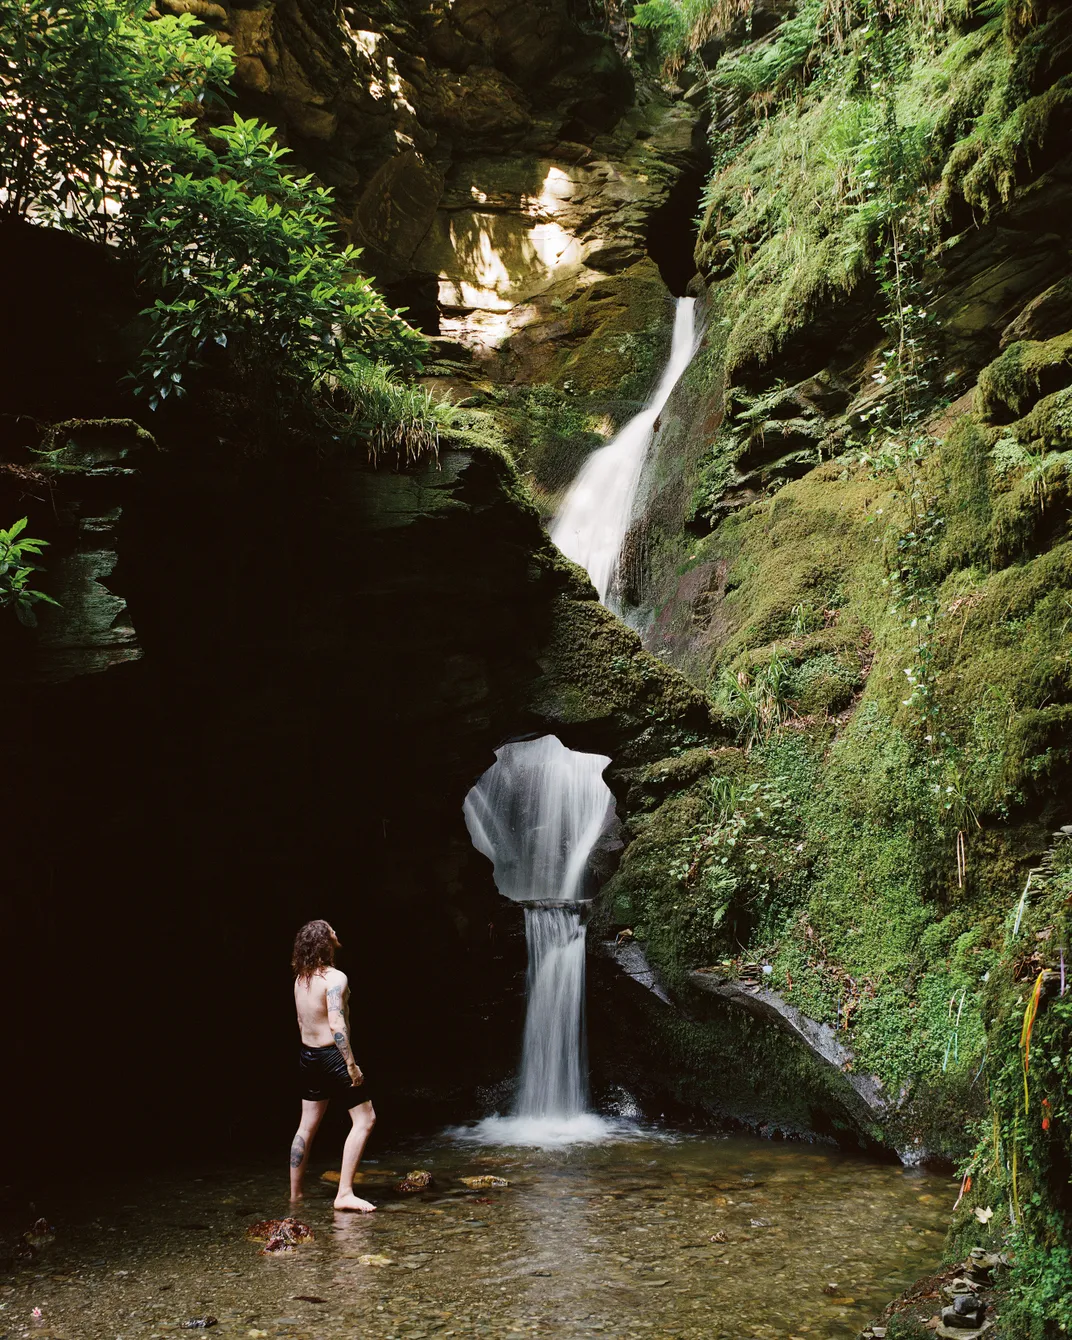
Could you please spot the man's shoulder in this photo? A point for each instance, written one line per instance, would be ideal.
(334, 977)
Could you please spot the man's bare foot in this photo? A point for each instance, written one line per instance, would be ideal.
(296, 1195)
(352, 1202)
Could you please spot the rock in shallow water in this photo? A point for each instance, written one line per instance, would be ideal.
(279, 1235)
(417, 1180)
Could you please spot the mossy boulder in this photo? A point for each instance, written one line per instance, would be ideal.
(599, 690)
(1026, 372)
(823, 685)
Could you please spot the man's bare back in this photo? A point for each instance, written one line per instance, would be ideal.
(311, 1003)
(327, 1066)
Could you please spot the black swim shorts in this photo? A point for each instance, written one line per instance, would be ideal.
(322, 1074)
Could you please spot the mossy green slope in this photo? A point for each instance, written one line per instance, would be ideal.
(871, 575)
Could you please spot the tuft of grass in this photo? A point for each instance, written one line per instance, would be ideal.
(393, 418)
(757, 702)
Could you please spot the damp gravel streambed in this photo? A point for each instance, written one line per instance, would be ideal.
(612, 1240)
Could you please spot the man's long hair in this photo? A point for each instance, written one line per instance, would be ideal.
(314, 948)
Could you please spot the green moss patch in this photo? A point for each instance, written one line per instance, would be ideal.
(1027, 370)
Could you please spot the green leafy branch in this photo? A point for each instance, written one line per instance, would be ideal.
(16, 572)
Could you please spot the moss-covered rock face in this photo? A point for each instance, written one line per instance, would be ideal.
(904, 719)
(858, 544)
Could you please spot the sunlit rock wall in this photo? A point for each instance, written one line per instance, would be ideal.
(493, 161)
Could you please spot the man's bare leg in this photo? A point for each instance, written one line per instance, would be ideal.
(312, 1114)
(364, 1118)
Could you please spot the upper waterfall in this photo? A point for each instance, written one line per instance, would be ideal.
(597, 512)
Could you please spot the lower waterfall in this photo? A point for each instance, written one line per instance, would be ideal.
(537, 814)
(554, 1069)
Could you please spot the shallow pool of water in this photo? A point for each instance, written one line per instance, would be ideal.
(611, 1240)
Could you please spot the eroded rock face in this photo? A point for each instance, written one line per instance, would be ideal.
(515, 236)
(297, 740)
(489, 157)
(298, 735)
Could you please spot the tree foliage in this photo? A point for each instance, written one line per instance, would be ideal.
(242, 256)
(90, 101)
(105, 131)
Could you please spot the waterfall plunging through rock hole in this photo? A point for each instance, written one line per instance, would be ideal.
(539, 811)
(538, 814)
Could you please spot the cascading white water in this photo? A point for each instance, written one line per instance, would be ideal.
(554, 1068)
(597, 512)
(537, 814)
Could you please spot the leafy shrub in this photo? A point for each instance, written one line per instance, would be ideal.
(1020, 1166)
(16, 572)
(89, 105)
(243, 257)
(104, 133)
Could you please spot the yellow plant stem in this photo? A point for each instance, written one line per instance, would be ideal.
(1030, 1015)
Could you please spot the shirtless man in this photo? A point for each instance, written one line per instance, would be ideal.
(327, 1067)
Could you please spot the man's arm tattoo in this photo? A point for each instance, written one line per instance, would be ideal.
(297, 1151)
(340, 1030)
